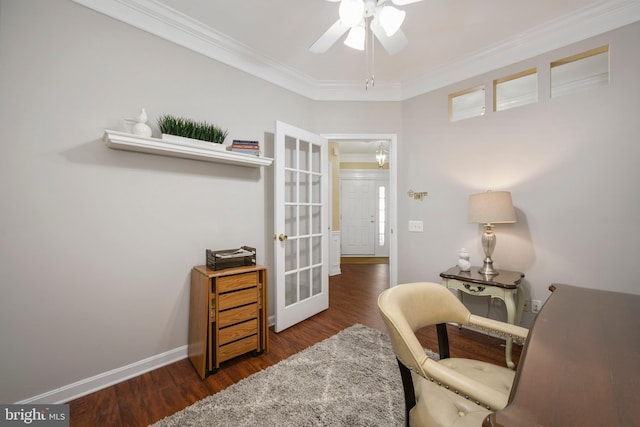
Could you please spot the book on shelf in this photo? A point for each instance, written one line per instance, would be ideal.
(245, 142)
(249, 152)
(246, 147)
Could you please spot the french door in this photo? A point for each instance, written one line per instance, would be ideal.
(301, 225)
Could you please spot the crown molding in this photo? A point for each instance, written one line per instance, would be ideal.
(588, 22)
(159, 19)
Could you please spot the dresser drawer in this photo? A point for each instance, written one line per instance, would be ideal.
(235, 332)
(237, 315)
(237, 348)
(237, 298)
(236, 281)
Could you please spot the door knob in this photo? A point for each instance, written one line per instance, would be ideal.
(283, 237)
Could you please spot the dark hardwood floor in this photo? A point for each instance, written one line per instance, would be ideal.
(352, 299)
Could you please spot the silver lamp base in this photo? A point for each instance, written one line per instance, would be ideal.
(488, 244)
(487, 268)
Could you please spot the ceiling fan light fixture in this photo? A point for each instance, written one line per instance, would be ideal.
(355, 38)
(351, 11)
(391, 19)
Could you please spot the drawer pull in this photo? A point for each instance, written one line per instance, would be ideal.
(477, 289)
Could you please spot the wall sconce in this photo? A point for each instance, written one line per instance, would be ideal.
(417, 195)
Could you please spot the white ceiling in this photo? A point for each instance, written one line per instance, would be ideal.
(449, 40)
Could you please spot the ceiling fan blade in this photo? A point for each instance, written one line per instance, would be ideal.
(393, 44)
(404, 2)
(329, 37)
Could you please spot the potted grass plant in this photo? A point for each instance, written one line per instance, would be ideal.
(191, 133)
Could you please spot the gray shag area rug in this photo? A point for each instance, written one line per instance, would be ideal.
(350, 379)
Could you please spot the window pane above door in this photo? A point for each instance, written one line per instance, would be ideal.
(303, 156)
(290, 152)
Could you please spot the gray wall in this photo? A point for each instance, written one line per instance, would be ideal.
(571, 164)
(97, 244)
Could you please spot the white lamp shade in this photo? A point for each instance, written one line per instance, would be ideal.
(391, 19)
(491, 207)
(351, 12)
(355, 38)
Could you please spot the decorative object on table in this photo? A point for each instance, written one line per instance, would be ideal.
(141, 128)
(191, 133)
(246, 147)
(491, 207)
(463, 260)
(227, 258)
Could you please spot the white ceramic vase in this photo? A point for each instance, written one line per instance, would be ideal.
(141, 128)
(463, 260)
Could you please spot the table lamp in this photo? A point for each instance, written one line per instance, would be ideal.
(491, 207)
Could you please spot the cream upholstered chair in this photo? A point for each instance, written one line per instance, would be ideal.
(451, 391)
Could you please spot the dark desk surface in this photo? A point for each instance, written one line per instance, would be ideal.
(580, 365)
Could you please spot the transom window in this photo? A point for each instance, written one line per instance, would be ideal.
(579, 72)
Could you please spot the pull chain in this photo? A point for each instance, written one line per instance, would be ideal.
(373, 57)
(369, 56)
(367, 38)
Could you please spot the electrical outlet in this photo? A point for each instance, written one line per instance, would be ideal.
(536, 304)
(416, 226)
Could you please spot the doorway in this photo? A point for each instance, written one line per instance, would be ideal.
(390, 144)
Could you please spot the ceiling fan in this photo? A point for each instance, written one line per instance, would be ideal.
(354, 16)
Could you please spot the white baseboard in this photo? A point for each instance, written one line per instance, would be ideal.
(106, 379)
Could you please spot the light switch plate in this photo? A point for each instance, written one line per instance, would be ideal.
(415, 226)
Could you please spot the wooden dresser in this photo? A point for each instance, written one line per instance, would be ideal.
(227, 315)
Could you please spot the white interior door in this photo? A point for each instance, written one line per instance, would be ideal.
(301, 225)
(358, 216)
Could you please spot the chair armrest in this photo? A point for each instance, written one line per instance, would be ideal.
(502, 328)
(464, 386)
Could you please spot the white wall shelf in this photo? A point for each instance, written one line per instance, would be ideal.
(141, 144)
